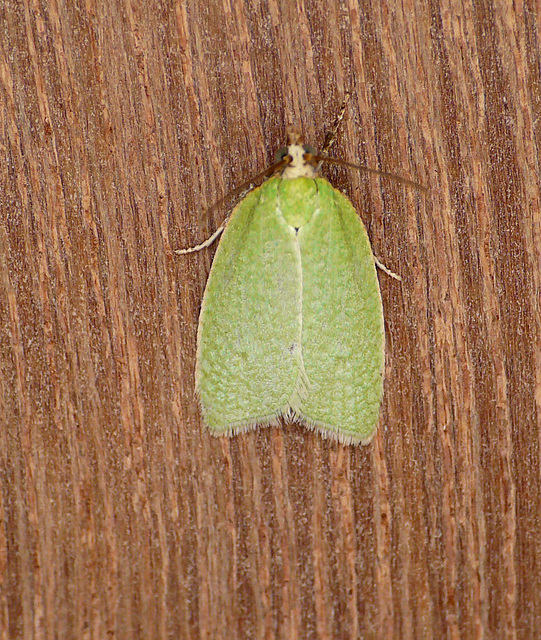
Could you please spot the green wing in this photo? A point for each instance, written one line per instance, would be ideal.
(291, 321)
(343, 334)
(249, 365)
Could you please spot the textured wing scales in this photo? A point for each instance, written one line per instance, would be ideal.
(343, 332)
(249, 363)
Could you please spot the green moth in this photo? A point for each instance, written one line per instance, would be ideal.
(291, 323)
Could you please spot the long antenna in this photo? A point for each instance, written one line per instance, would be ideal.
(330, 137)
(233, 194)
(377, 172)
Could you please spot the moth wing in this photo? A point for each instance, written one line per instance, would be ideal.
(343, 333)
(248, 357)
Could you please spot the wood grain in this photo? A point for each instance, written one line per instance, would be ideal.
(120, 123)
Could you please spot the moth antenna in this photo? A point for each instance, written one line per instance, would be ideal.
(376, 172)
(233, 194)
(330, 137)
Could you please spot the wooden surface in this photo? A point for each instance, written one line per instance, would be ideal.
(120, 123)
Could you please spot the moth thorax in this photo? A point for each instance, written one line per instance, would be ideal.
(298, 167)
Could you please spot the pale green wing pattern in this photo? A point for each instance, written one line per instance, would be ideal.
(343, 333)
(249, 362)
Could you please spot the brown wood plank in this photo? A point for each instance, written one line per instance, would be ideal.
(122, 517)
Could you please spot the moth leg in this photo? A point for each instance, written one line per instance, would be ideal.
(385, 269)
(203, 245)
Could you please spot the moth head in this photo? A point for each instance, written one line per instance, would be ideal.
(299, 157)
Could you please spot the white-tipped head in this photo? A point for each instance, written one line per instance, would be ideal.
(298, 167)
